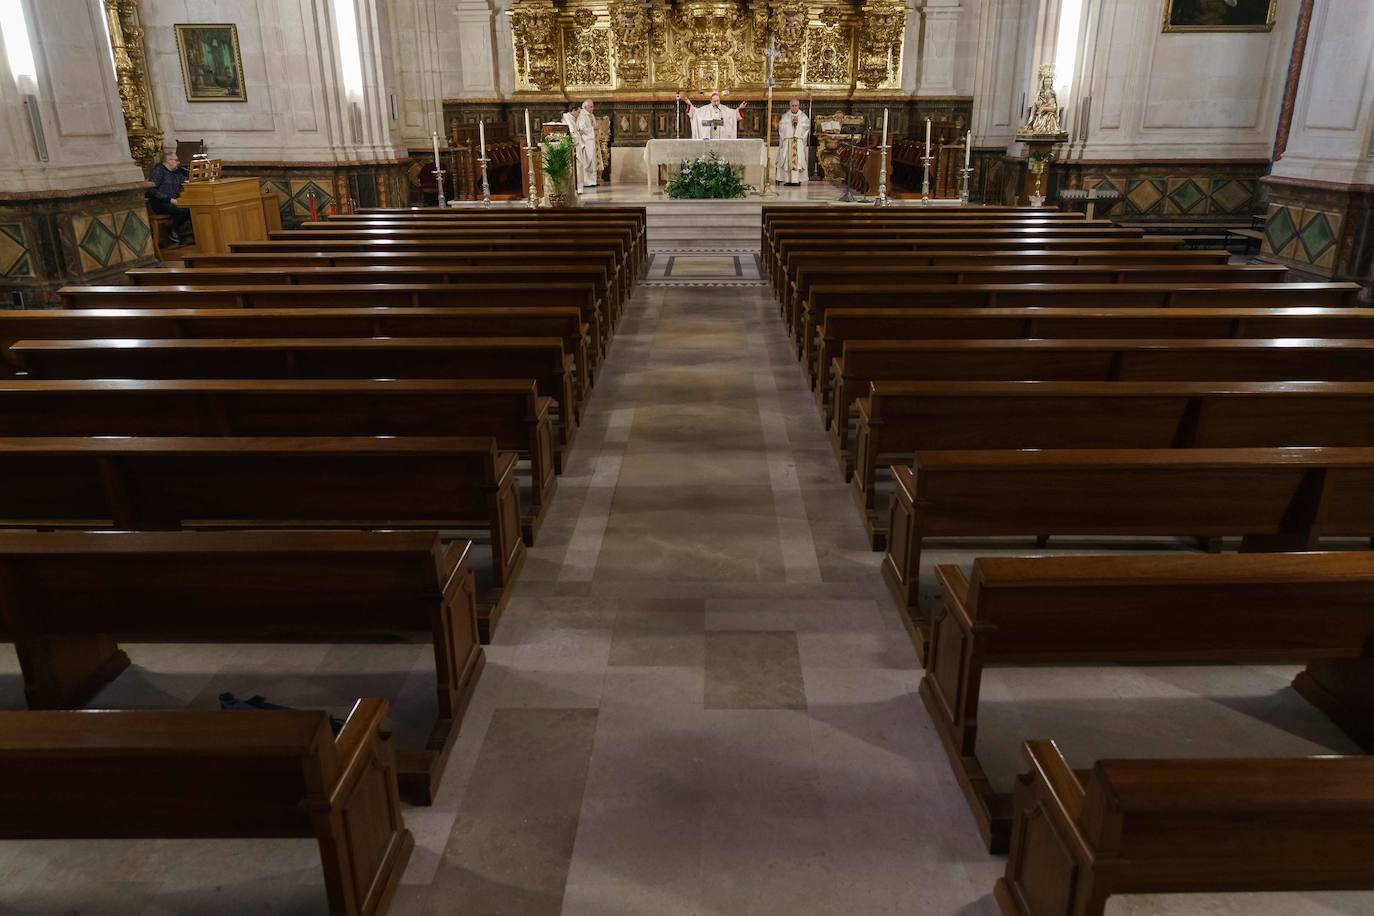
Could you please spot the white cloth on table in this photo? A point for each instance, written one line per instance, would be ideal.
(588, 155)
(702, 129)
(748, 153)
(794, 130)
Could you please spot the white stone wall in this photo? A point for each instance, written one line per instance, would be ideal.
(83, 124)
(1331, 137)
(296, 109)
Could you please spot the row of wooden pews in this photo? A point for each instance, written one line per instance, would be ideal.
(348, 433)
(994, 372)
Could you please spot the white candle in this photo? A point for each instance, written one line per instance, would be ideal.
(927, 136)
(884, 143)
(968, 148)
(528, 140)
(482, 137)
(433, 135)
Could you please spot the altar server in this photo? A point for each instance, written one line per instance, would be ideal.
(570, 119)
(701, 118)
(588, 153)
(794, 130)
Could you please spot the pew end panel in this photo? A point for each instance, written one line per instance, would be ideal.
(1185, 826)
(217, 775)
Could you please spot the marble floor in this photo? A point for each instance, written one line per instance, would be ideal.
(700, 700)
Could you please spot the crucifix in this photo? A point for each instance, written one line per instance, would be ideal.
(771, 52)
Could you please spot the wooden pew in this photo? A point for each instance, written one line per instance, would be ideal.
(627, 262)
(825, 296)
(892, 274)
(841, 223)
(624, 236)
(1141, 360)
(638, 217)
(181, 774)
(510, 411)
(1278, 499)
(581, 296)
(84, 591)
(538, 358)
(844, 325)
(1185, 826)
(899, 418)
(784, 280)
(1221, 609)
(233, 482)
(606, 258)
(788, 249)
(531, 321)
(596, 275)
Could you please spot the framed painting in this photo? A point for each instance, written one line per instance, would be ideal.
(1219, 15)
(211, 65)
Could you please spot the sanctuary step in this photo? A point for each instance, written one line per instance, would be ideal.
(679, 224)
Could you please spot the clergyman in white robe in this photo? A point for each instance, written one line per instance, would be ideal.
(570, 119)
(794, 130)
(701, 118)
(588, 155)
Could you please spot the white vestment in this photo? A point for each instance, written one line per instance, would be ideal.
(702, 130)
(570, 119)
(588, 156)
(793, 132)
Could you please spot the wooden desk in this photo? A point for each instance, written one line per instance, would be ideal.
(224, 211)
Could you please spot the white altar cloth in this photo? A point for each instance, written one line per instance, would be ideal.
(746, 152)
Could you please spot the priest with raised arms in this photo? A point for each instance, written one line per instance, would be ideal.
(794, 129)
(704, 120)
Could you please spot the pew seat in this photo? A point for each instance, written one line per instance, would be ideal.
(1274, 498)
(1185, 826)
(78, 593)
(1315, 609)
(509, 411)
(899, 418)
(289, 482)
(211, 774)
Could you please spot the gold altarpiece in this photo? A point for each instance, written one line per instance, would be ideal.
(658, 46)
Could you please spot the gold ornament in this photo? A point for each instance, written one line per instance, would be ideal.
(131, 75)
(881, 27)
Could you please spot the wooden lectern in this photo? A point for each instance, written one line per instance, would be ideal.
(224, 211)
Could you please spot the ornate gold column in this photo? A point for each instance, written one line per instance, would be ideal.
(131, 72)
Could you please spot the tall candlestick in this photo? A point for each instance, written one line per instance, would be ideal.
(482, 137)
(968, 148)
(884, 127)
(927, 136)
(434, 136)
(528, 140)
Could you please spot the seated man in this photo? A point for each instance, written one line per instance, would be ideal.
(164, 187)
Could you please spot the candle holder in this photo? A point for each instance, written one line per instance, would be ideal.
(529, 159)
(964, 175)
(925, 177)
(439, 186)
(881, 199)
(486, 185)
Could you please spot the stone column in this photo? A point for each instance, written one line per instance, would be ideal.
(478, 48)
(77, 215)
(1321, 192)
(939, 31)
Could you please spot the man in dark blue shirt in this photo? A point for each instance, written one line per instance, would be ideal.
(164, 187)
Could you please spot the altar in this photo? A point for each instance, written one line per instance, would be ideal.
(748, 153)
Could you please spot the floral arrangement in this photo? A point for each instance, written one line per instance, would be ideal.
(707, 177)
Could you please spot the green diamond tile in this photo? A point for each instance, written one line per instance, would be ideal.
(98, 242)
(1187, 196)
(1279, 230)
(1230, 196)
(1145, 196)
(1316, 236)
(134, 233)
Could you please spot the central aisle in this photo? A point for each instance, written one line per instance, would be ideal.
(698, 700)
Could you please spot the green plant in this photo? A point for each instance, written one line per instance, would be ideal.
(706, 177)
(558, 157)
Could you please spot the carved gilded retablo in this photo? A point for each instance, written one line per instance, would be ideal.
(700, 45)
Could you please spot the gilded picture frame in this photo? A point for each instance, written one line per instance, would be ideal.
(1219, 15)
(211, 63)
